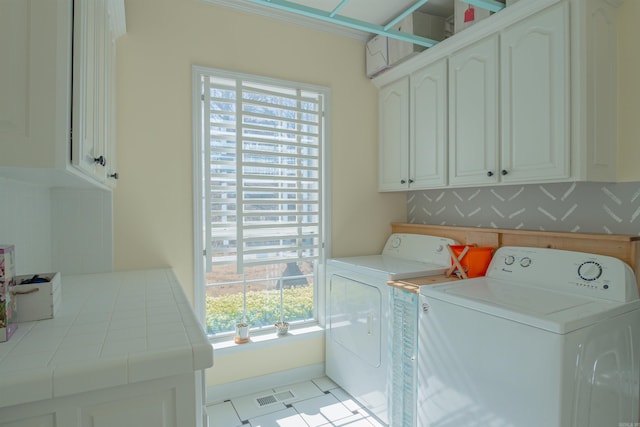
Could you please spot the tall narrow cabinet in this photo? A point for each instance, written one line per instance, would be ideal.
(57, 121)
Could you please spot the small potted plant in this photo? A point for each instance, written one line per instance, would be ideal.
(242, 333)
(282, 328)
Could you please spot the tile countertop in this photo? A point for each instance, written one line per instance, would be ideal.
(413, 285)
(111, 329)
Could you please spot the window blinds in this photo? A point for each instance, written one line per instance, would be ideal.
(263, 203)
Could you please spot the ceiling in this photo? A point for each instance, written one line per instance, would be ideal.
(355, 18)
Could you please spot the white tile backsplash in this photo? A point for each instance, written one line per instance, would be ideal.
(82, 238)
(55, 229)
(25, 221)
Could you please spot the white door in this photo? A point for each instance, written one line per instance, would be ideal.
(428, 127)
(473, 114)
(535, 97)
(355, 318)
(394, 136)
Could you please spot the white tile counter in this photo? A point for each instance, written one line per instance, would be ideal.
(112, 330)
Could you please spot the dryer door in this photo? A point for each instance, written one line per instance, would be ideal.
(355, 313)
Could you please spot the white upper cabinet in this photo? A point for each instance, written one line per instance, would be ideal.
(535, 98)
(59, 64)
(428, 127)
(474, 114)
(393, 154)
(531, 96)
(413, 130)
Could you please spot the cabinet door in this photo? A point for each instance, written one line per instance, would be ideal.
(110, 107)
(428, 127)
(535, 97)
(89, 76)
(35, 40)
(473, 114)
(394, 136)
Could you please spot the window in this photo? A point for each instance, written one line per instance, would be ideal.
(260, 186)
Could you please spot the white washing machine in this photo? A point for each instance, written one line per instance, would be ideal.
(546, 338)
(358, 312)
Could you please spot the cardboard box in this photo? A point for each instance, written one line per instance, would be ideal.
(384, 52)
(461, 9)
(377, 52)
(419, 24)
(38, 298)
(8, 311)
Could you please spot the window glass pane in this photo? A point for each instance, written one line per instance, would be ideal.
(263, 201)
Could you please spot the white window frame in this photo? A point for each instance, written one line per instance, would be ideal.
(198, 187)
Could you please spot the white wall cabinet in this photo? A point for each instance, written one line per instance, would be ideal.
(413, 130)
(393, 154)
(531, 93)
(39, 38)
(534, 56)
(428, 126)
(474, 114)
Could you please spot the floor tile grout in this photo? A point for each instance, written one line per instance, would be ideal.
(326, 414)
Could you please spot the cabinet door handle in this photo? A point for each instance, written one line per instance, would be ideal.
(100, 160)
(402, 181)
(410, 181)
(504, 172)
(489, 173)
(114, 175)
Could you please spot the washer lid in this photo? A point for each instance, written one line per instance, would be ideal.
(556, 312)
(393, 267)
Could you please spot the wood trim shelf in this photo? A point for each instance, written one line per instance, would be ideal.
(618, 246)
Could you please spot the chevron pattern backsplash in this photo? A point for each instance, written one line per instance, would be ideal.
(607, 208)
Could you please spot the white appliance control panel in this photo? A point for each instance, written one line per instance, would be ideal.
(418, 247)
(580, 273)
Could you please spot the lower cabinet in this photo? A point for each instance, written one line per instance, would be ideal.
(168, 402)
(403, 348)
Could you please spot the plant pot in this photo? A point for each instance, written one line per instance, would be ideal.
(242, 333)
(282, 328)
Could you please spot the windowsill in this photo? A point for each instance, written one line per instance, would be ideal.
(268, 339)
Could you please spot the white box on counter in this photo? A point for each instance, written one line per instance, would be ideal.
(38, 296)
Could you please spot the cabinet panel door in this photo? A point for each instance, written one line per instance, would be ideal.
(89, 88)
(34, 82)
(473, 114)
(535, 97)
(394, 136)
(428, 127)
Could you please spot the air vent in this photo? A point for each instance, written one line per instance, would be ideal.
(275, 398)
(266, 400)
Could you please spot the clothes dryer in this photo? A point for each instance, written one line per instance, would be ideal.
(358, 312)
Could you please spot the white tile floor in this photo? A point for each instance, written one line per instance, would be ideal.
(316, 403)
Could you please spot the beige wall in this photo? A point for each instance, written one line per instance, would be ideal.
(153, 201)
(629, 91)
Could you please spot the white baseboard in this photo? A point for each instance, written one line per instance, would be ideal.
(222, 392)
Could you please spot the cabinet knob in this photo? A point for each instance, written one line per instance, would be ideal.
(489, 173)
(504, 172)
(403, 181)
(114, 175)
(410, 181)
(100, 160)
